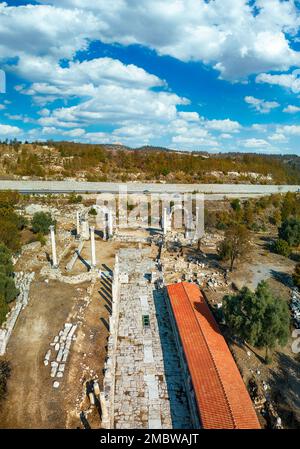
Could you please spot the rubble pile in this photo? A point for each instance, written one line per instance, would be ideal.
(59, 351)
(193, 270)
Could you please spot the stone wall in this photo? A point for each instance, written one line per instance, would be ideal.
(107, 396)
(55, 274)
(131, 239)
(23, 282)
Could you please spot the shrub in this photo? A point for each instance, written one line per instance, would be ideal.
(93, 212)
(41, 222)
(282, 247)
(290, 231)
(75, 199)
(236, 205)
(4, 309)
(9, 234)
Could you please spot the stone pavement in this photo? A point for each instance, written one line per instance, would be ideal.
(149, 390)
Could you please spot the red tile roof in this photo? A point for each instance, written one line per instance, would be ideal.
(222, 398)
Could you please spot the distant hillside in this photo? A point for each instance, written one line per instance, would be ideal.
(67, 160)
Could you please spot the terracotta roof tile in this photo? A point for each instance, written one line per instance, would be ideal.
(221, 395)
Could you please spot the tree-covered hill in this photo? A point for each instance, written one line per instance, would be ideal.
(61, 160)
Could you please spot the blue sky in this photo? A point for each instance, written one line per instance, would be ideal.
(189, 74)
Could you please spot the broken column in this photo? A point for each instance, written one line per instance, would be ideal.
(93, 247)
(77, 225)
(53, 244)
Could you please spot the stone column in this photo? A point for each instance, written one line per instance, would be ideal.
(105, 227)
(85, 229)
(165, 224)
(198, 224)
(77, 225)
(93, 247)
(110, 224)
(53, 244)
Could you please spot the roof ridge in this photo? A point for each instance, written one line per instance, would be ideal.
(213, 360)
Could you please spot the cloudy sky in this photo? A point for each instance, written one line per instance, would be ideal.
(214, 75)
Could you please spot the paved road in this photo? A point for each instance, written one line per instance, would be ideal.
(43, 187)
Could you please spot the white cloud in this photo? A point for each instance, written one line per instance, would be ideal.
(98, 137)
(227, 125)
(115, 104)
(109, 92)
(223, 33)
(20, 117)
(290, 81)
(293, 130)
(44, 112)
(255, 143)
(189, 116)
(2, 106)
(291, 109)
(45, 30)
(77, 132)
(9, 131)
(259, 127)
(195, 142)
(262, 106)
(81, 78)
(226, 136)
(278, 137)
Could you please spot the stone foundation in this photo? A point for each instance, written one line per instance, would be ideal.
(23, 281)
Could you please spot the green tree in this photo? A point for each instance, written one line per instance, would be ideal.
(248, 214)
(290, 231)
(9, 199)
(41, 221)
(275, 219)
(22, 222)
(6, 265)
(258, 317)
(8, 290)
(75, 199)
(236, 204)
(290, 206)
(296, 276)
(281, 247)
(235, 245)
(93, 212)
(9, 234)
(4, 309)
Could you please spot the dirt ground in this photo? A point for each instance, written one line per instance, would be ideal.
(32, 402)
